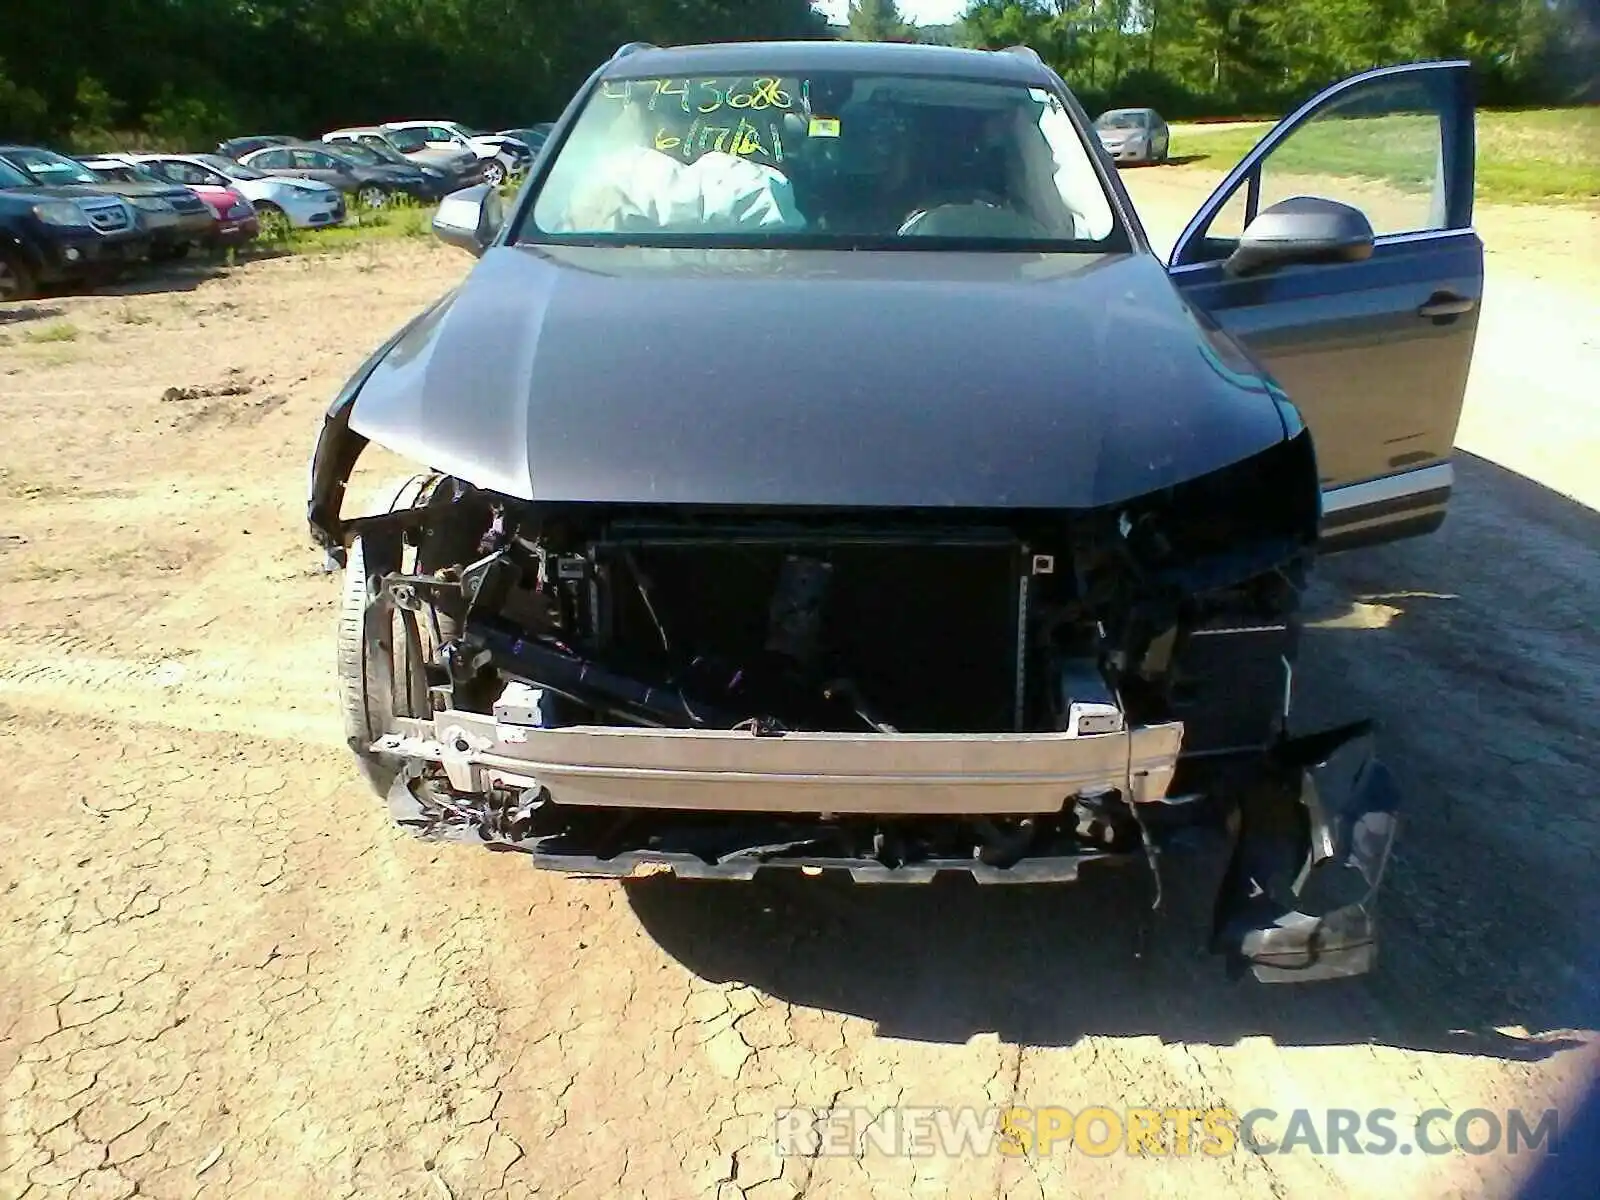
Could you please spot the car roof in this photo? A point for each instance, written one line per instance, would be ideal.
(888, 58)
(353, 129)
(1118, 112)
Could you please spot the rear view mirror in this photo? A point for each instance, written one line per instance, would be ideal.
(469, 219)
(1304, 229)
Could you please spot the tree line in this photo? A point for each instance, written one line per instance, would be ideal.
(1219, 57)
(96, 73)
(191, 71)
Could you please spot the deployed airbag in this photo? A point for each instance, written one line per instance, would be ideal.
(639, 189)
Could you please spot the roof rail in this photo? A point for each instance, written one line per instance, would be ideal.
(628, 48)
(1027, 52)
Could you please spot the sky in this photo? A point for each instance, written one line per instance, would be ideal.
(923, 12)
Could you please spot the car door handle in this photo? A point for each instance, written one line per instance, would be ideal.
(1446, 304)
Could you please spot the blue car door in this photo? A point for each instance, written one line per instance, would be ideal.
(1373, 351)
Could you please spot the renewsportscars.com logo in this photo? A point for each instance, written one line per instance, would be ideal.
(1100, 1131)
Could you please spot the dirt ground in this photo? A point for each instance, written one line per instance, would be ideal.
(223, 974)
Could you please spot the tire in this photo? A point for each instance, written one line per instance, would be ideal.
(494, 174)
(16, 280)
(402, 643)
(372, 196)
(272, 222)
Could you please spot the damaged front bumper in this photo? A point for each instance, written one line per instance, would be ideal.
(1296, 901)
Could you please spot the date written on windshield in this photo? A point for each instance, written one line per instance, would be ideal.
(704, 96)
(741, 138)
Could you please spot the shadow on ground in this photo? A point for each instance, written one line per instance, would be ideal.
(16, 314)
(1476, 649)
(185, 275)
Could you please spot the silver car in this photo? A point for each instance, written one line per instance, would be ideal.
(1137, 135)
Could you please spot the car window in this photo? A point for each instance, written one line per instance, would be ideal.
(811, 159)
(1380, 148)
(230, 169)
(184, 172)
(272, 159)
(51, 168)
(438, 133)
(10, 177)
(313, 160)
(1121, 120)
(407, 141)
(360, 153)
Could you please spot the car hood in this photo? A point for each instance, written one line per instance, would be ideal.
(817, 378)
(289, 181)
(38, 193)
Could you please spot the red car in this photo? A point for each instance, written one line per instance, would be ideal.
(234, 217)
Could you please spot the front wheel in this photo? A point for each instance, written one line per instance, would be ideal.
(272, 222)
(494, 174)
(372, 196)
(383, 650)
(16, 280)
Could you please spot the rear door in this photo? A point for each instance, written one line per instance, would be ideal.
(324, 168)
(1374, 353)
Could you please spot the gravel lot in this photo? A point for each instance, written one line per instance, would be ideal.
(223, 974)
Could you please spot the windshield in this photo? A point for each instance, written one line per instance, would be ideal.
(871, 161)
(368, 155)
(407, 141)
(125, 173)
(233, 170)
(51, 168)
(1120, 120)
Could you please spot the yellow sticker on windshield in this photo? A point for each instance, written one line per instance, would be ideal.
(823, 127)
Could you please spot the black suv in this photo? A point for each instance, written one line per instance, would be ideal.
(51, 235)
(172, 215)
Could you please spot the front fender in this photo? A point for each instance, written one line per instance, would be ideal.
(339, 447)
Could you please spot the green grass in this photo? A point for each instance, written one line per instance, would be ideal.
(1537, 155)
(55, 331)
(363, 226)
(399, 219)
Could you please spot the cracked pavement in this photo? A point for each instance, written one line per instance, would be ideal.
(223, 974)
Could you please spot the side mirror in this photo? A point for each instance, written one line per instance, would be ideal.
(470, 219)
(1304, 229)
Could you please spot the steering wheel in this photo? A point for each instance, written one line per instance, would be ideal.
(981, 214)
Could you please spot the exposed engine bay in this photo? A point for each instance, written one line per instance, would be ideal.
(620, 691)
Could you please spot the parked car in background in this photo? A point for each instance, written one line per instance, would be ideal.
(372, 186)
(280, 204)
(52, 236)
(449, 135)
(463, 166)
(436, 183)
(234, 220)
(172, 216)
(1133, 135)
(520, 150)
(533, 137)
(240, 146)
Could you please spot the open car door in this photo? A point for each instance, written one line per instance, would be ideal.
(1341, 253)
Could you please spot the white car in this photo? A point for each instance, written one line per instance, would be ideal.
(498, 161)
(280, 204)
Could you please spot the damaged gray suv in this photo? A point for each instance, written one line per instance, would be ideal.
(819, 470)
